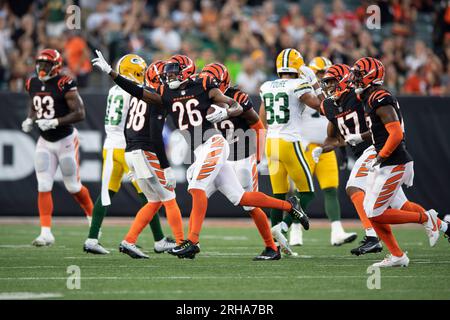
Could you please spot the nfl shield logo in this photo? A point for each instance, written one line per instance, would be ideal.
(42, 88)
(183, 93)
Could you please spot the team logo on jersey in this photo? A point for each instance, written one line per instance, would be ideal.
(42, 88)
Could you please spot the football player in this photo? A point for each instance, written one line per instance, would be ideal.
(119, 103)
(55, 106)
(187, 101)
(282, 102)
(313, 130)
(146, 157)
(346, 118)
(245, 135)
(392, 166)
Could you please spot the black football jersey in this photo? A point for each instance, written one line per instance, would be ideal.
(48, 101)
(372, 101)
(143, 129)
(241, 138)
(348, 116)
(188, 108)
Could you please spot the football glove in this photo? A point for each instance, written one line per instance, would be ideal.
(317, 151)
(372, 164)
(27, 125)
(309, 74)
(218, 115)
(171, 181)
(47, 124)
(101, 63)
(353, 139)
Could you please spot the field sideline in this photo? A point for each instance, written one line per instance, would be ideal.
(223, 270)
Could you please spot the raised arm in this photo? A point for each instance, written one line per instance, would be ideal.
(127, 85)
(311, 101)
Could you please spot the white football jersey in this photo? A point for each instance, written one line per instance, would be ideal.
(283, 107)
(118, 104)
(314, 127)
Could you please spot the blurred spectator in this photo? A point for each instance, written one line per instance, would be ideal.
(250, 78)
(165, 38)
(78, 58)
(55, 13)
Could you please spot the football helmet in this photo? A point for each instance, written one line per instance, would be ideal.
(177, 70)
(48, 64)
(289, 61)
(335, 80)
(320, 64)
(132, 67)
(154, 73)
(220, 72)
(366, 72)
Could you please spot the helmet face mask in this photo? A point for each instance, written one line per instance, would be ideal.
(356, 79)
(329, 86)
(48, 64)
(172, 75)
(44, 69)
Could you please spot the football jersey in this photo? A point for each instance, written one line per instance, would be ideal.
(348, 117)
(241, 138)
(376, 99)
(143, 129)
(313, 127)
(118, 104)
(188, 108)
(283, 108)
(49, 103)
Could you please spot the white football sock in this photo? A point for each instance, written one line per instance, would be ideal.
(444, 226)
(370, 232)
(46, 231)
(336, 227)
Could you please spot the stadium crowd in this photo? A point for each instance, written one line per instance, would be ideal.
(413, 41)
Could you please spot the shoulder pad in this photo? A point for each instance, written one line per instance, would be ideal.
(380, 97)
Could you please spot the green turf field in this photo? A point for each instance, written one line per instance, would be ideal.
(223, 270)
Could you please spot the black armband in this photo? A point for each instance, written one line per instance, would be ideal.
(129, 86)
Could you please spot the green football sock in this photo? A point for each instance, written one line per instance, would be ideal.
(332, 207)
(155, 224)
(98, 214)
(276, 215)
(305, 199)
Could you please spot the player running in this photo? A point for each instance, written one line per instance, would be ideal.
(119, 103)
(346, 118)
(245, 135)
(282, 102)
(146, 157)
(393, 165)
(313, 131)
(187, 100)
(55, 106)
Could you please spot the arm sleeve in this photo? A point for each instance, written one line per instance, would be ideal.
(394, 139)
(130, 87)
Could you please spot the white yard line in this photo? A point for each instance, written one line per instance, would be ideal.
(28, 295)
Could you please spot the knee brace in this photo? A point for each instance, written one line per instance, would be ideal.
(68, 166)
(42, 161)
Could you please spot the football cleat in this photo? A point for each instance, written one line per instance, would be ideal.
(368, 245)
(432, 227)
(268, 254)
(393, 261)
(339, 238)
(277, 233)
(187, 249)
(296, 235)
(92, 246)
(131, 250)
(297, 212)
(447, 233)
(164, 245)
(44, 240)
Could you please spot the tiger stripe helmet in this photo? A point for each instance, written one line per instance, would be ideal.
(132, 67)
(365, 72)
(220, 72)
(48, 64)
(154, 73)
(318, 64)
(289, 61)
(180, 65)
(335, 80)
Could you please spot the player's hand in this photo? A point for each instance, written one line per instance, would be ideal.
(373, 163)
(47, 124)
(353, 139)
(171, 181)
(101, 63)
(27, 125)
(316, 152)
(218, 115)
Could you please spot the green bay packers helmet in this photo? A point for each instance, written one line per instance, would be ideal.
(318, 64)
(289, 61)
(132, 67)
